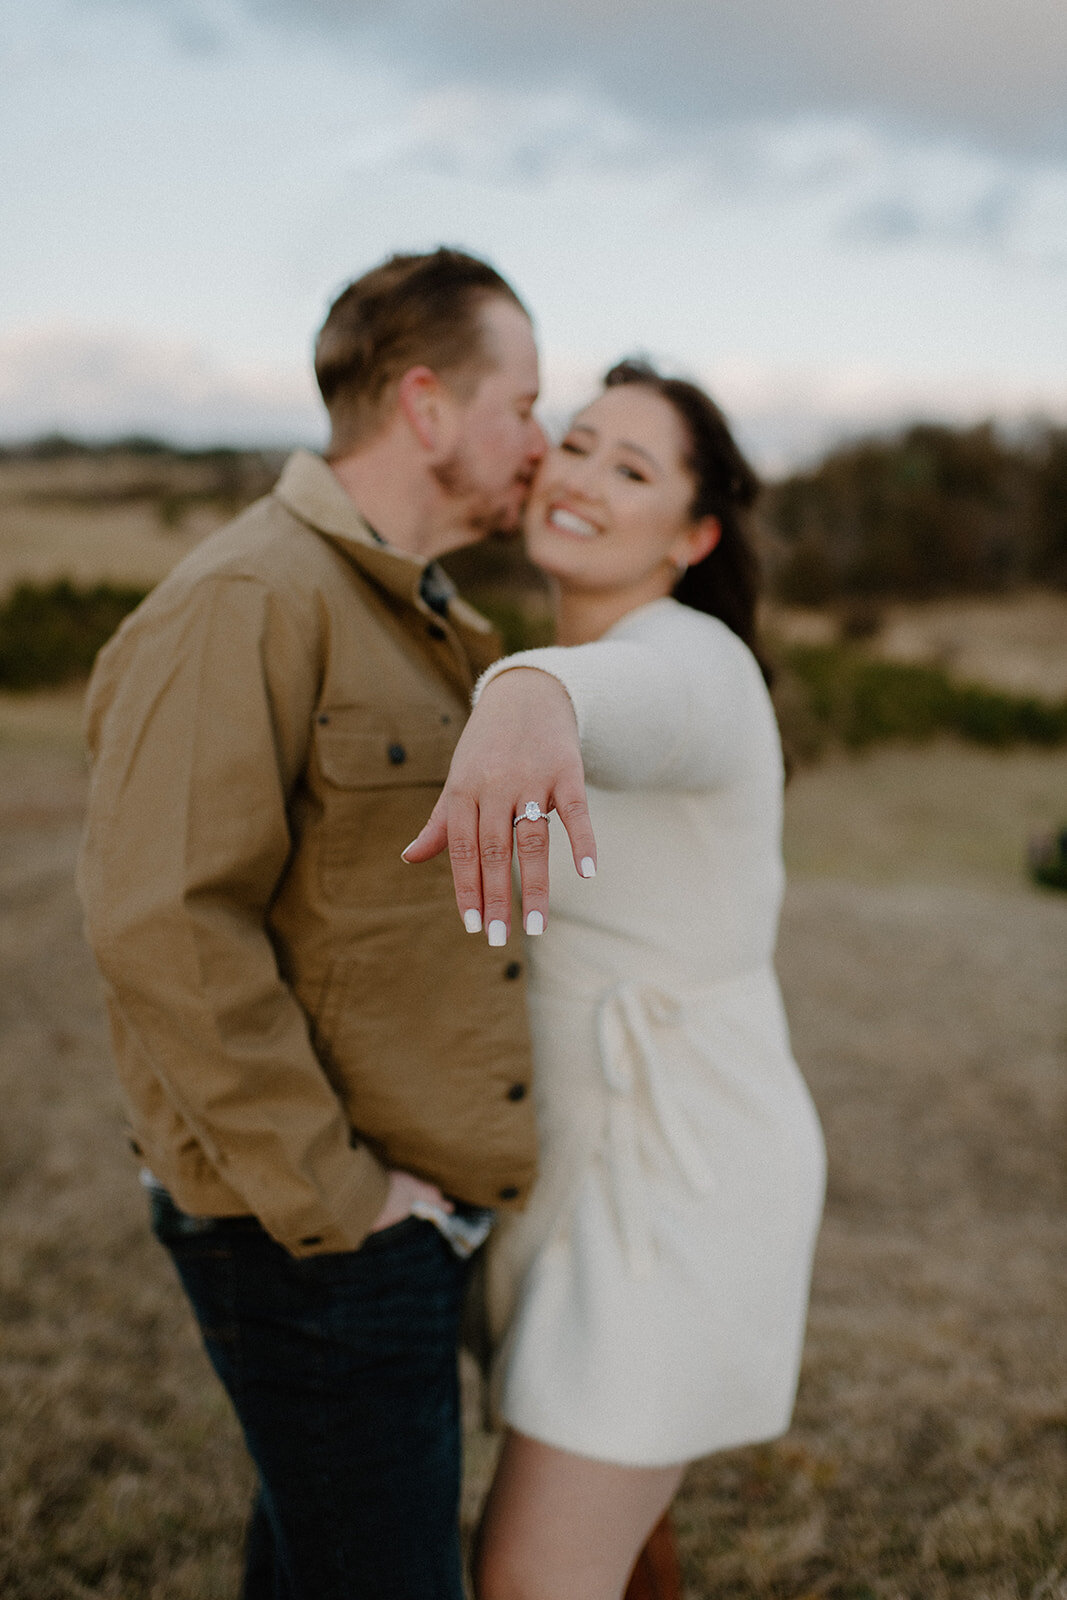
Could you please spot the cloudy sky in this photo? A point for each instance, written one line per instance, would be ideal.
(837, 213)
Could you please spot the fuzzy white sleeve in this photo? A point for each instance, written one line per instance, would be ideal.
(665, 708)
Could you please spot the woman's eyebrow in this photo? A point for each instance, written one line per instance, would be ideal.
(627, 444)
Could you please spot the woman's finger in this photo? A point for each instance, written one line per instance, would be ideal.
(494, 852)
(434, 836)
(573, 811)
(531, 847)
(466, 861)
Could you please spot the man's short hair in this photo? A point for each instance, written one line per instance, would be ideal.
(412, 311)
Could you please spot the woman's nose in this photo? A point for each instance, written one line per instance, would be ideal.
(575, 473)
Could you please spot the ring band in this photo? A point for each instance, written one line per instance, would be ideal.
(531, 812)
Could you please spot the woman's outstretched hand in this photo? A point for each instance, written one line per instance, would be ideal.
(520, 745)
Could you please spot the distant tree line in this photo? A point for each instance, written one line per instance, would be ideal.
(63, 447)
(59, 470)
(934, 511)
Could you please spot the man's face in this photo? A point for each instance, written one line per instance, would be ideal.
(498, 442)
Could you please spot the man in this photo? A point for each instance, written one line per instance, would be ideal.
(327, 1079)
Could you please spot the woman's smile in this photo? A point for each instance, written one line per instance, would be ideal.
(568, 521)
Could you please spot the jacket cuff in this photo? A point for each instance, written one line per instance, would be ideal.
(345, 1221)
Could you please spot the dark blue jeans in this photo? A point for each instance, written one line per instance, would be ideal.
(342, 1370)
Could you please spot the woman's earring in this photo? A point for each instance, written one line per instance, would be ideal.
(681, 565)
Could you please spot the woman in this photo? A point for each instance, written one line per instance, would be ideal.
(650, 1303)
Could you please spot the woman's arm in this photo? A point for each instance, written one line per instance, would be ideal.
(665, 711)
(662, 710)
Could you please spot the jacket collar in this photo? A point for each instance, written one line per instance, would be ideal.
(309, 490)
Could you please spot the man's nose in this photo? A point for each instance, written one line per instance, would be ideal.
(539, 441)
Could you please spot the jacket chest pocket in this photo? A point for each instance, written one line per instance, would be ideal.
(377, 778)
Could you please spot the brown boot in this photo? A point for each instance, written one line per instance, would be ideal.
(657, 1575)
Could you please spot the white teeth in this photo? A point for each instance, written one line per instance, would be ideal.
(572, 524)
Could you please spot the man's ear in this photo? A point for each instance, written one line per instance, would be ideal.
(423, 402)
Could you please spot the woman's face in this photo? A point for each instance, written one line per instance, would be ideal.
(609, 510)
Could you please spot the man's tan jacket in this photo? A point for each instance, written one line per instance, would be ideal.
(292, 1007)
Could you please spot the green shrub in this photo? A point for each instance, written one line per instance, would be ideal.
(1048, 859)
(520, 627)
(860, 700)
(50, 633)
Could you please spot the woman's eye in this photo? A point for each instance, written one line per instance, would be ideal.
(572, 447)
(633, 474)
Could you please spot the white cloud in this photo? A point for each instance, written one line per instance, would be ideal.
(950, 196)
(979, 68)
(982, 69)
(873, 186)
(490, 135)
(863, 183)
(99, 382)
(787, 417)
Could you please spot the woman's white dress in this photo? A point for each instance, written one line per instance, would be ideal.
(649, 1305)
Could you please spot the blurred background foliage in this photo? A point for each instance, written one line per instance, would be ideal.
(929, 513)
(50, 633)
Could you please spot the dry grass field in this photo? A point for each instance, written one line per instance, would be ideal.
(122, 519)
(925, 980)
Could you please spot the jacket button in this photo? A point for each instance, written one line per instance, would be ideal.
(509, 1192)
(513, 969)
(517, 1091)
(397, 755)
(323, 720)
(436, 631)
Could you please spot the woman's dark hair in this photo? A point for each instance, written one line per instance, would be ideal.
(726, 583)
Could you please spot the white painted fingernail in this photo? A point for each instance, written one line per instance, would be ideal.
(498, 934)
(535, 923)
(588, 867)
(472, 921)
(404, 853)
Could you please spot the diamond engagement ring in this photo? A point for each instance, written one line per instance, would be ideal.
(531, 812)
